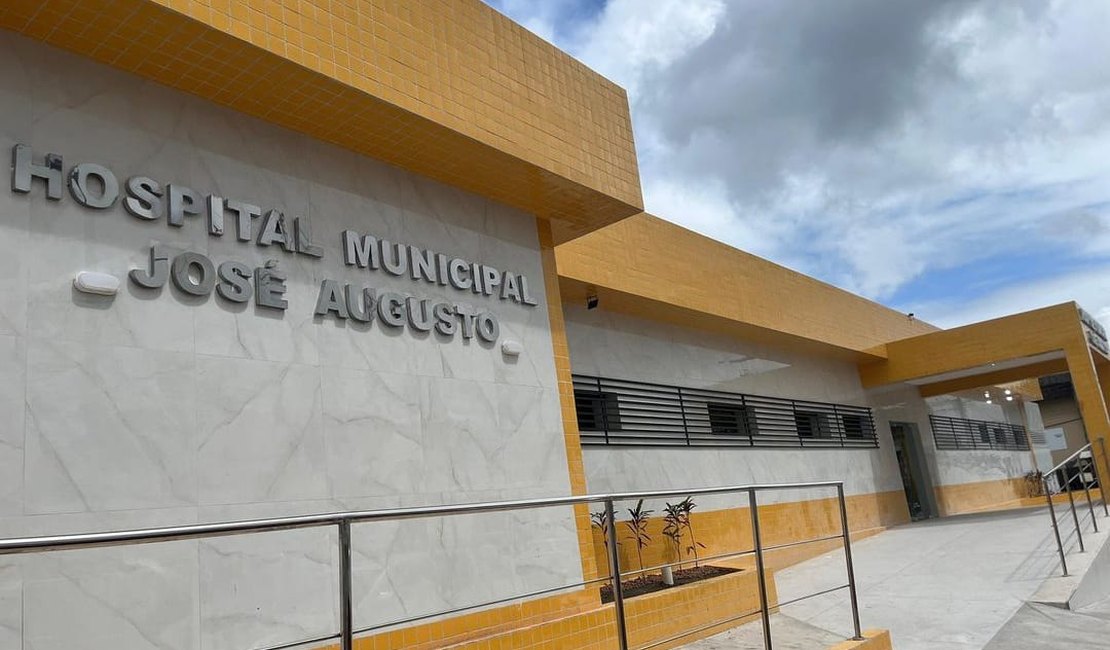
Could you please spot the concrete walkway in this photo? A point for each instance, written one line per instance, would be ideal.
(1037, 626)
(950, 583)
(788, 634)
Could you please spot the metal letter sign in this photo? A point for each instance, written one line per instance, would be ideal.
(96, 187)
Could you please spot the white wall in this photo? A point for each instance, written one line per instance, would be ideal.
(615, 345)
(1063, 412)
(155, 408)
(952, 467)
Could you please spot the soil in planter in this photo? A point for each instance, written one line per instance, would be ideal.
(654, 581)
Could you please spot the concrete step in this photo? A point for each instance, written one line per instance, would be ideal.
(787, 633)
(1088, 581)
(1036, 626)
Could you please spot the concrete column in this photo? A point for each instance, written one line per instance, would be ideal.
(1091, 396)
(575, 466)
(1102, 370)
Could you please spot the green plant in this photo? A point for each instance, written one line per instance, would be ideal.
(1034, 484)
(674, 522)
(637, 525)
(687, 505)
(600, 520)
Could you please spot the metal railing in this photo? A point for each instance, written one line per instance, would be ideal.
(1085, 455)
(343, 521)
(632, 413)
(951, 433)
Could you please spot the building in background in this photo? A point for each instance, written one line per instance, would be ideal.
(1062, 418)
(262, 259)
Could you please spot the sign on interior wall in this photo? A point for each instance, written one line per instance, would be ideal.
(96, 187)
(1055, 440)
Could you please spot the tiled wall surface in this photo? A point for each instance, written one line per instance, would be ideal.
(447, 88)
(728, 531)
(650, 260)
(157, 408)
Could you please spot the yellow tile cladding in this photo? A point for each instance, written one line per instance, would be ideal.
(671, 273)
(446, 88)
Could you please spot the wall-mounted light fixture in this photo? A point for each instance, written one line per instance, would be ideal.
(101, 284)
(511, 348)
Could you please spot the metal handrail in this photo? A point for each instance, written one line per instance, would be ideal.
(1060, 465)
(343, 521)
(1078, 456)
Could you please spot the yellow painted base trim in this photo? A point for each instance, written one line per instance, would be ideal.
(498, 622)
(1061, 499)
(872, 640)
(729, 531)
(650, 618)
(981, 496)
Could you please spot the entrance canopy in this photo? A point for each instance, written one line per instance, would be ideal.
(1061, 338)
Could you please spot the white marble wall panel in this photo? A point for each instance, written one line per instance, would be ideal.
(259, 431)
(142, 598)
(421, 567)
(15, 81)
(108, 428)
(374, 417)
(11, 603)
(156, 408)
(614, 345)
(267, 589)
(13, 364)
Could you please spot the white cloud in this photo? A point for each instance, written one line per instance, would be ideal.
(1089, 287)
(873, 142)
(631, 40)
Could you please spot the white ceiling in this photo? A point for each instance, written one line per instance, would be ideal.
(990, 367)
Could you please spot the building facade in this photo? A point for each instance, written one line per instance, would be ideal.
(265, 259)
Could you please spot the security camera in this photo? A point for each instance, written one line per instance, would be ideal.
(591, 301)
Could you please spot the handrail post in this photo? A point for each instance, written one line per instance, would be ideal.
(346, 636)
(1074, 515)
(1098, 474)
(1086, 488)
(615, 576)
(757, 543)
(848, 562)
(1055, 525)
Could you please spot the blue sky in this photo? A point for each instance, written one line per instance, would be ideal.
(949, 158)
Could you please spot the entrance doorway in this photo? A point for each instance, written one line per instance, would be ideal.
(911, 465)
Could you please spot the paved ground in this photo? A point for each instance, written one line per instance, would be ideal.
(788, 634)
(950, 583)
(958, 583)
(1036, 626)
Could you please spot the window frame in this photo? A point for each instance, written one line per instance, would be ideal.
(604, 407)
(741, 414)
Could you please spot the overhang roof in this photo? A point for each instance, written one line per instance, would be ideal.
(1010, 348)
(670, 273)
(450, 89)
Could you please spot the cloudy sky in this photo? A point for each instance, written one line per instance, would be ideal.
(949, 158)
